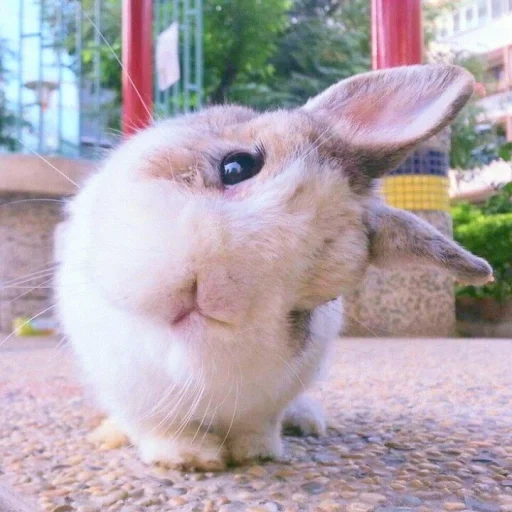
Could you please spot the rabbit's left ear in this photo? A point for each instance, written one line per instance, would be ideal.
(383, 115)
(398, 237)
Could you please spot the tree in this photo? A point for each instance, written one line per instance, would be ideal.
(239, 40)
(325, 41)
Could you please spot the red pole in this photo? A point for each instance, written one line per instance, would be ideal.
(137, 74)
(397, 33)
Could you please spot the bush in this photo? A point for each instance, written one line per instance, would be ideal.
(487, 232)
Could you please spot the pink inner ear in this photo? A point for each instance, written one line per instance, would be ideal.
(365, 113)
(396, 108)
(385, 114)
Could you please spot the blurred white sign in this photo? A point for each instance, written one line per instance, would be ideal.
(168, 57)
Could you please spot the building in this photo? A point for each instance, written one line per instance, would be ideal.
(484, 27)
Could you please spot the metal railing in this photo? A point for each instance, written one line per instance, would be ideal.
(186, 94)
(62, 83)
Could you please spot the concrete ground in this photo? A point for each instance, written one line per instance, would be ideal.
(416, 425)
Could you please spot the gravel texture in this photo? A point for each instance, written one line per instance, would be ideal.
(416, 426)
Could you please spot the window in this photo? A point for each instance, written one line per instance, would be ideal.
(498, 73)
(456, 22)
(497, 8)
(482, 10)
(469, 17)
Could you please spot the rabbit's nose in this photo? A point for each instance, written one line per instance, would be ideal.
(214, 293)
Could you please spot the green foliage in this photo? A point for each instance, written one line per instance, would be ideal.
(505, 151)
(324, 42)
(500, 202)
(473, 143)
(487, 231)
(239, 39)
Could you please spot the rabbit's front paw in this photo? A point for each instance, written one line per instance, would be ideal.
(304, 417)
(186, 453)
(249, 445)
(108, 435)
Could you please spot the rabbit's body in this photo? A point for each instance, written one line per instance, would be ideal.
(200, 266)
(163, 383)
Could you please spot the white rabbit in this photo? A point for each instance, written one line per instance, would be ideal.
(203, 267)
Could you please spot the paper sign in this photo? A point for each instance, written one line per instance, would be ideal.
(168, 57)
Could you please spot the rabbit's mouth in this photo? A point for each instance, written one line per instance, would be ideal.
(190, 317)
(187, 321)
(183, 315)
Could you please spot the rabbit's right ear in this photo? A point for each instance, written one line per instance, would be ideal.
(398, 237)
(383, 115)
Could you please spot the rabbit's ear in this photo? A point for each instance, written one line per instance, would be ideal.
(383, 115)
(398, 237)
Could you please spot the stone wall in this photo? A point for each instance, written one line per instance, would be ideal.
(31, 201)
(26, 255)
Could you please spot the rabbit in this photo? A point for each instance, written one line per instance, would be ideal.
(203, 267)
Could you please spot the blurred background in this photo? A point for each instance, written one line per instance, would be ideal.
(61, 96)
(61, 76)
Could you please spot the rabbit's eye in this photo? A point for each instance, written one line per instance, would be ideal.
(238, 167)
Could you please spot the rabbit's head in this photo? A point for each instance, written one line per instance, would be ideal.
(230, 218)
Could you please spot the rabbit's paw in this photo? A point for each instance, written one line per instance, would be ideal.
(108, 436)
(304, 417)
(184, 453)
(249, 445)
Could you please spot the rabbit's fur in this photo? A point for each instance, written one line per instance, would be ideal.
(200, 313)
